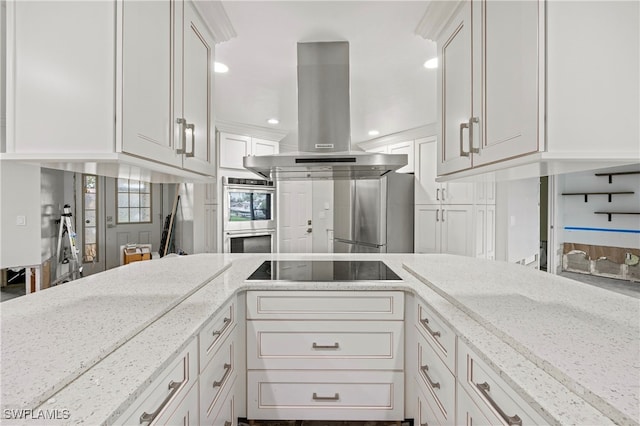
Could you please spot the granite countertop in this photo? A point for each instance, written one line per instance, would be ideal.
(51, 337)
(585, 337)
(126, 335)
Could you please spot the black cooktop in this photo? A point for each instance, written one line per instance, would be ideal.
(323, 270)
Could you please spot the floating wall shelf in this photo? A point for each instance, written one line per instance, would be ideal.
(586, 194)
(617, 174)
(612, 213)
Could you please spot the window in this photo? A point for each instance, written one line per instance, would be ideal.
(90, 222)
(134, 201)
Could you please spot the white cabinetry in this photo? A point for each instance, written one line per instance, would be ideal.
(483, 394)
(233, 147)
(218, 349)
(488, 84)
(164, 396)
(341, 359)
(406, 147)
(155, 57)
(444, 213)
(516, 85)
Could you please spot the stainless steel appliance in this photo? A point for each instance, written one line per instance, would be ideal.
(248, 219)
(324, 126)
(323, 270)
(374, 216)
(249, 241)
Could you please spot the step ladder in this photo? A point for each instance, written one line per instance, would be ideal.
(67, 255)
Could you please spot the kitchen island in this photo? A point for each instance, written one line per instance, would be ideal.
(92, 346)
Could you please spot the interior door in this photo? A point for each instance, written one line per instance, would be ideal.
(294, 216)
(118, 235)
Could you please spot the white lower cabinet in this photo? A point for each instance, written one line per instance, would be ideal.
(186, 414)
(325, 395)
(491, 394)
(437, 383)
(166, 394)
(314, 355)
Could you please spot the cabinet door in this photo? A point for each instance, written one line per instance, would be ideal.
(457, 193)
(146, 81)
(194, 91)
(427, 190)
(457, 227)
(427, 228)
(404, 148)
(232, 149)
(508, 89)
(264, 147)
(454, 94)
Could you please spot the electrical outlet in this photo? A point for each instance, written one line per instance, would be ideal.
(21, 220)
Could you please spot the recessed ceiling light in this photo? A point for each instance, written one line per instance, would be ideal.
(220, 68)
(373, 133)
(273, 121)
(431, 63)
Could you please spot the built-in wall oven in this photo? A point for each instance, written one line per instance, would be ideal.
(248, 220)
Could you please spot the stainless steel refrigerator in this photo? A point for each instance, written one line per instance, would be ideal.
(374, 215)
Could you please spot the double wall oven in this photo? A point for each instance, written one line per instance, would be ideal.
(248, 221)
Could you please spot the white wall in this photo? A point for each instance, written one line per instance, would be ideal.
(517, 219)
(52, 200)
(578, 214)
(20, 189)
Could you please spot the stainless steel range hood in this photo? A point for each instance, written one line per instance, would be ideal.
(324, 125)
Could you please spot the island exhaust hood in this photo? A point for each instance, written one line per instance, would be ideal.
(324, 125)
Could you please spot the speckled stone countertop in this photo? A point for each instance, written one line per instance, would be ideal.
(139, 352)
(51, 337)
(585, 337)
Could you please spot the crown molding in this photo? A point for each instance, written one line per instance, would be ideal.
(403, 136)
(217, 20)
(251, 130)
(436, 17)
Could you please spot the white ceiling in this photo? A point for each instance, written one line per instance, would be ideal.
(390, 89)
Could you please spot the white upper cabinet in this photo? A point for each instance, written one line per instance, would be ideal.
(488, 84)
(520, 89)
(147, 124)
(156, 57)
(233, 147)
(194, 97)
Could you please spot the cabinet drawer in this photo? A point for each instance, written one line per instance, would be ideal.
(469, 413)
(424, 413)
(438, 334)
(215, 332)
(224, 411)
(492, 395)
(437, 382)
(167, 391)
(215, 379)
(318, 305)
(338, 345)
(325, 395)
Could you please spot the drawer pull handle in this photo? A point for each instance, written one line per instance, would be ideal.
(225, 323)
(335, 397)
(227, 423)
(336, 345)
(425, 322)
(484, 389)
(425, 370)
(174, 387)
(227, 368)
